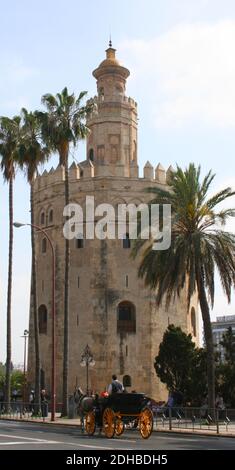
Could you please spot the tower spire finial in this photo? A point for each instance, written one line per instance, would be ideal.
(110, 41)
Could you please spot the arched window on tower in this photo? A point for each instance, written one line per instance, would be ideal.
(126, 243)
(134, 156)
(101, 93)
(42, 319)
(126, 318)
(193, 321)
(119, 90)
(91, 155)
(126, 381)
(42, 218)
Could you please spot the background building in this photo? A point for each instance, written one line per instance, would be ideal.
(110, 308)
(219, 328)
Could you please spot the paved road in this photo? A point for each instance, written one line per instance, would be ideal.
(15, 435)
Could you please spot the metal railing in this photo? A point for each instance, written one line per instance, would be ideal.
(193, 419)
(190, 419)
(23, 411)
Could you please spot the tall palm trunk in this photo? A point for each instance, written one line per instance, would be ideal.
(208, 338)
(35, 306)
(9, 295)
(66, 305)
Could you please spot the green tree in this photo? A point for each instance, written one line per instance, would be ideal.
(226, 370)
(17, 380)
(197, 387)
(228, 343)
(197, 248)
(225, 373)
(180, 365)
(2, 377)
(9, 137)
(31, 154)
(63, 125)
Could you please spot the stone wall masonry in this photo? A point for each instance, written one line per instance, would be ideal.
(102, 267)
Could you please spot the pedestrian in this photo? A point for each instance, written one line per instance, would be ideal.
(220, 406)
(31, 400)
(219, 402)
(44, 404)
(43, 395)
(115, 386)
(170, 401)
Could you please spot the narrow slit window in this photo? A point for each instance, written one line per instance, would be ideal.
(42, 218)
(79, 243)
(126, 243)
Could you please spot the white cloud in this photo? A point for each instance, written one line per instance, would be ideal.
(188, 73)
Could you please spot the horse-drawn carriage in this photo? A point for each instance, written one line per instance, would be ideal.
(111, 414)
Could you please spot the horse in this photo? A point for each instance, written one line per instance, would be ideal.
(84, 403)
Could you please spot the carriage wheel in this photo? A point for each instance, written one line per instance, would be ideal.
(119, 427)
(146, 423)
(90, 423)
(109, 422)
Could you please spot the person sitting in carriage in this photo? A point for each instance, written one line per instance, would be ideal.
(115, 386)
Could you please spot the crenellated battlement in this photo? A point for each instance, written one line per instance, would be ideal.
(86, 170)
(118, 98)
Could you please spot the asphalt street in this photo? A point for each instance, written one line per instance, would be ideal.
(32, 436)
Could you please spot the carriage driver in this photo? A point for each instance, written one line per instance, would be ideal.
(115, 386)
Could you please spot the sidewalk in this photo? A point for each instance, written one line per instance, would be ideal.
(76, 422)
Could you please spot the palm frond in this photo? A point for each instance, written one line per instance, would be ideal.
(195, 245)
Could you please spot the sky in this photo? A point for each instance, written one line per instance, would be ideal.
(181, 57)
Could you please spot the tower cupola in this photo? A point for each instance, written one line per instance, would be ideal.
(111, 77)
(113, 137)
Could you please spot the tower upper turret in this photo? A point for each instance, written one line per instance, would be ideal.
(113, 138)
(111, 77)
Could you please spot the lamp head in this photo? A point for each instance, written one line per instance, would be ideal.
(18, 224)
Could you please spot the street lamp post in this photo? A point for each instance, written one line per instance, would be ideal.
(53, 358)
(25, 336)
(86, 361)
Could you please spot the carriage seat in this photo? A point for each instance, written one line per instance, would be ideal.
(126, 403)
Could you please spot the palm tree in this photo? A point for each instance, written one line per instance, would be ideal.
(9, 135)
(32, 153)
(63, 125)
(198, 247)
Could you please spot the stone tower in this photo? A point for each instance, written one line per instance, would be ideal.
(110, 309)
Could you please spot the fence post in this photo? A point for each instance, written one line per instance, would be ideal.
(170, 419)
(217, 420)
